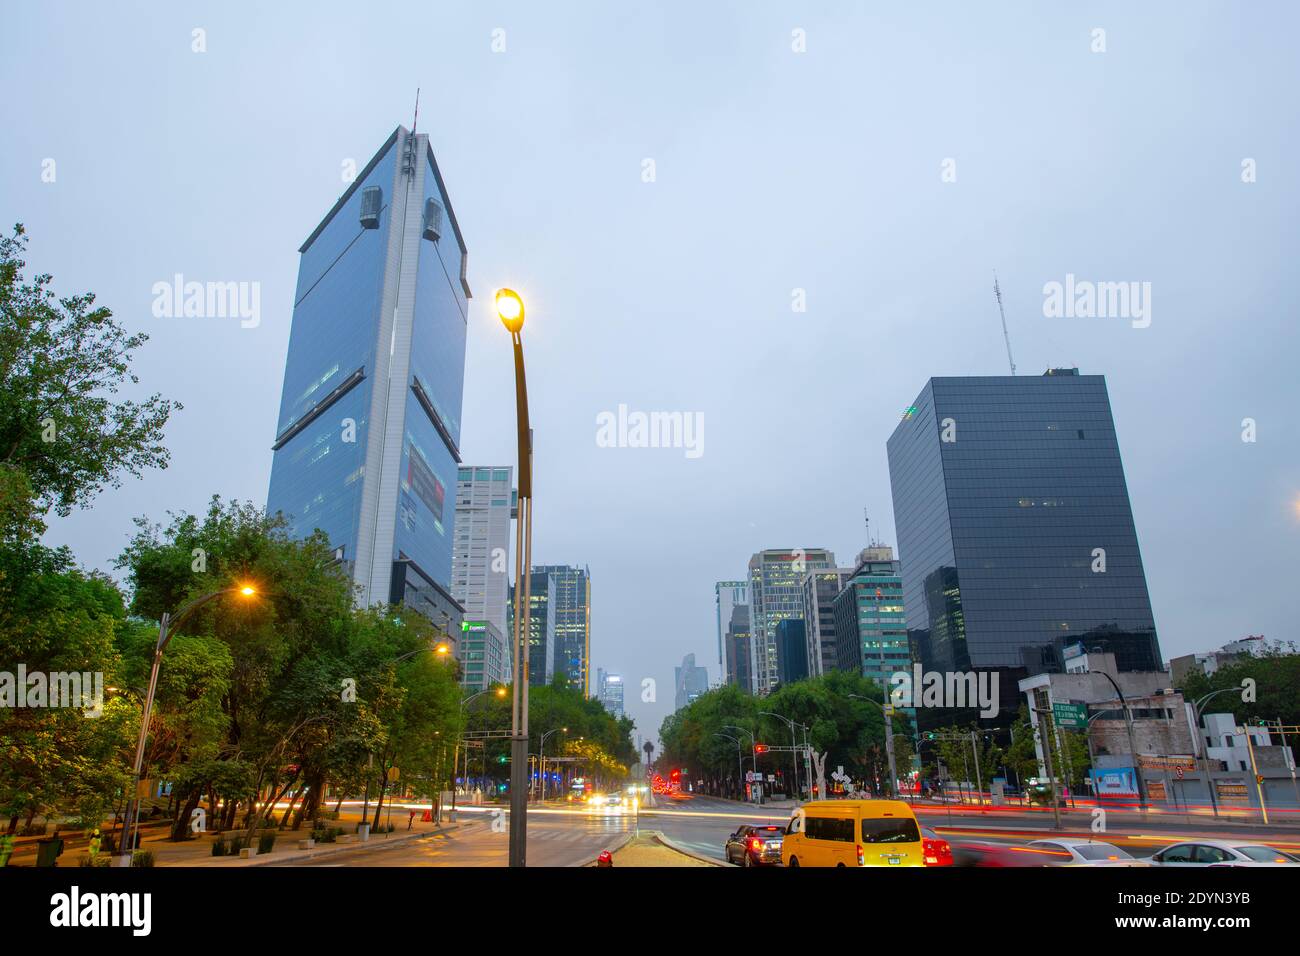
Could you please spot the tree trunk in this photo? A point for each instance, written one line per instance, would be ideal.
(180, 826)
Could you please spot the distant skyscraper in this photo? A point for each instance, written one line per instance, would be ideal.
(791, 651)
(482, 655)
(740, 650)
(870, 623)
(366, 439)
(820, 588)
(610, 691)
(480, 560)
(775, 594)
(726, 596)
(691, 681)
(1014, 525)
(572, 624)
(541, 626)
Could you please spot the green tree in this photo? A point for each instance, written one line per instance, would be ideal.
(63, 433)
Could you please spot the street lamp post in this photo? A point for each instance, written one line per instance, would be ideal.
(793, 748)
(167, 626)
(541, 759)
(460, 733)
(753, 752)
(510, 308)
(740, 763)
(889, 740)
(1128, 724)
(1201, 745)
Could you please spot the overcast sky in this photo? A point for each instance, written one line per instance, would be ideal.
(774, 171)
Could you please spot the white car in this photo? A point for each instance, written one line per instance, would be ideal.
(1071, 852)
(1221, 853)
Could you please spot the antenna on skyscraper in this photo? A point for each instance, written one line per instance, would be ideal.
(997, 293)
(415, 122)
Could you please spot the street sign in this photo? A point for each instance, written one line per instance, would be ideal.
(1070, 716)
(889, 710)
(749, 776)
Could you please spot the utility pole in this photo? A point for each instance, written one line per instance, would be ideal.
(1259, 787)
(979, 780)
(1043, 707)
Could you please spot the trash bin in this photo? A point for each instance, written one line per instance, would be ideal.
(48, 850)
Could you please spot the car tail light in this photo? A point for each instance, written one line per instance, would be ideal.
(756, 844)
(936, 852)
(861, 860)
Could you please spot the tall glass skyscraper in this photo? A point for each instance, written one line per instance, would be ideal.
(1014, 526)
(728, 595)
(541, 636)
(572, 624)
(366, 440)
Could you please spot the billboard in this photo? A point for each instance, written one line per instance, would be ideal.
(1115, 783)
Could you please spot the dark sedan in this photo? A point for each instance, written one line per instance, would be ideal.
(755, 846)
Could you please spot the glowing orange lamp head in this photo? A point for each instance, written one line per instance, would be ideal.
(511, 309)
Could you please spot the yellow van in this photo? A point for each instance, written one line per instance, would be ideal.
(853, 833)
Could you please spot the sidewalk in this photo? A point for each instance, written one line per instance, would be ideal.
(198, 851)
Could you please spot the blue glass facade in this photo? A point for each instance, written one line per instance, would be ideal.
(1007, 491)
(367, 436)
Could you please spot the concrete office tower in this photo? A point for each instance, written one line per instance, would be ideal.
(775, 594)
(366, 438)
(481, 573)
(572, 647)
(727, 595)
(820, 589)
(482, 655)
(541, 626)
(740, 650)
(609, 689)
(690, 681)
(1014, 527)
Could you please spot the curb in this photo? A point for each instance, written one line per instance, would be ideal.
(611, 847)
(323, 850)
(300, 855)
(659, 837)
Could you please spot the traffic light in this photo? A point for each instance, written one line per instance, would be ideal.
(931, 735)
(501, 759)
(760, 748)
(677, 775)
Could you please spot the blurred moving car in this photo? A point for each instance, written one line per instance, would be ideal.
(1088, 852)
(755, 846)
(853, 833)
(979, 853)
(1221, 853)
(937, 850)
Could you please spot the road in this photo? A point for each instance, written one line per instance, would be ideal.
(556, 837)
(566, 835)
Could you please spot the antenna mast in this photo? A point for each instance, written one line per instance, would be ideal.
(997, 293)
(415, 122)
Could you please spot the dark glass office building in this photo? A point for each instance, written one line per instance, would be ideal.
(1009, 500)
(366, 440)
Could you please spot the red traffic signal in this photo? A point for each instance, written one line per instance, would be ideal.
(760, 748)
(677, 775)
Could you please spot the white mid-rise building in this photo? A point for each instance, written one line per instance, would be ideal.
(480, 561)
